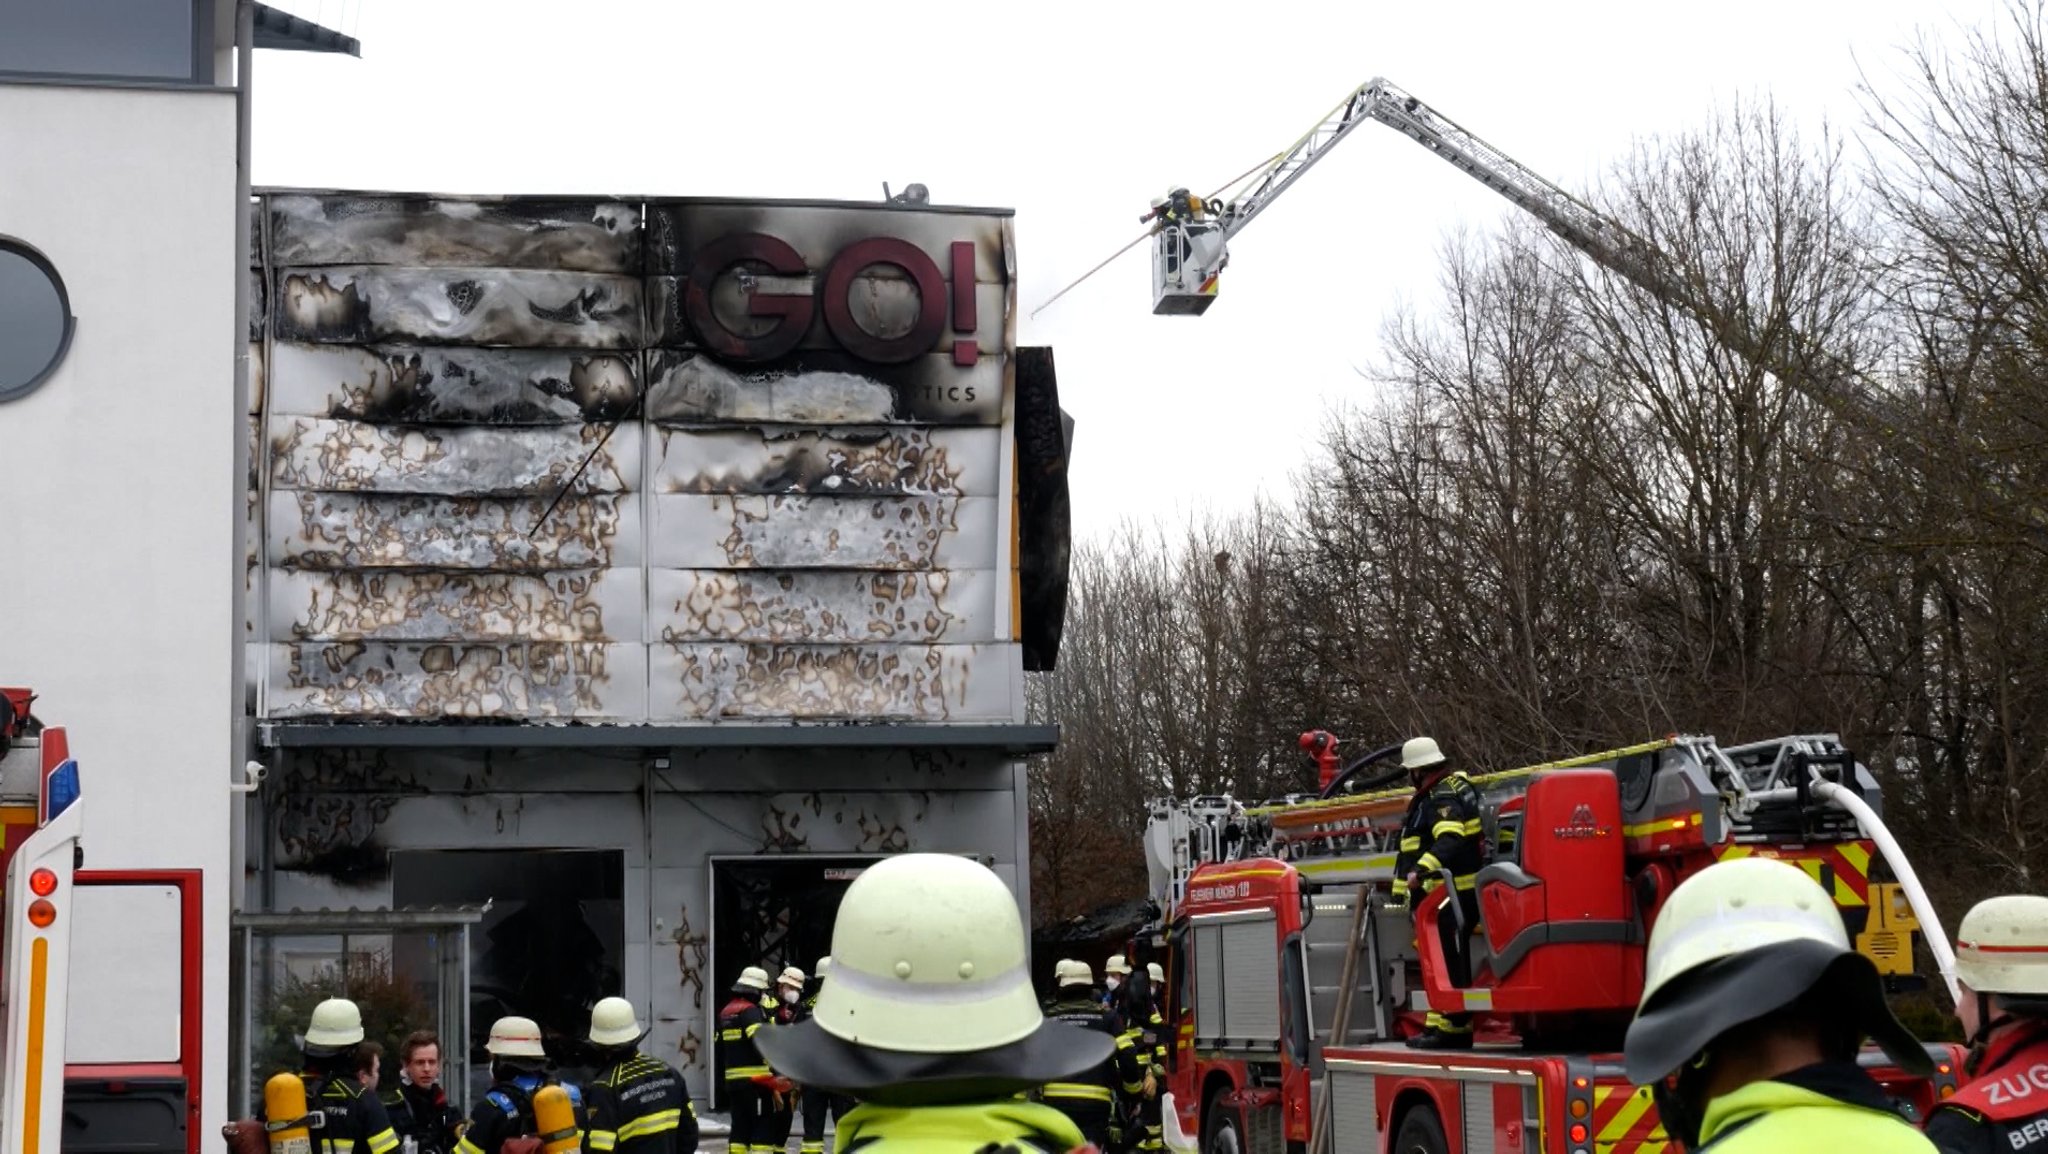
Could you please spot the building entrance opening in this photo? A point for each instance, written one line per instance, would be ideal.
(551, 942)
(772, 912)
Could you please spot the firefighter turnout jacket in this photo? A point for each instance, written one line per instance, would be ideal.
(1441, 831)
(1005, 1125)
(2005, 1107)
(1825, 1106)
(639, 1106)
(738, 1022)
(1087, 1096)
(506, 1111)
(354, 1120)
(424, 1114)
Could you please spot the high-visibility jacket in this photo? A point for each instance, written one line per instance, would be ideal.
(2005, 1106)
(956, 1129)
(640, 1106)
(1825, 1106)
(738, 1022)
(506, 1111)
(1442, 830)
(355, 1121)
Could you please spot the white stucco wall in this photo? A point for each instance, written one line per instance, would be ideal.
(118, 565)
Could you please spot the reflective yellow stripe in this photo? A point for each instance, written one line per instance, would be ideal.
(383, 1142)
(1474, 826)
(468, 1147)
(1408, 843)
(342, 1144)
(1660, 825)
(730, 1035)
(755, 1026)
(38, 979)
(1078, 1090)
(654, 1123)
(1428, 864)
(1467, 882)
(1245, 873)
(600, 1140)
(1443, 827)
(742, 1073)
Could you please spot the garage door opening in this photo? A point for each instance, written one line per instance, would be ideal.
(551, 943)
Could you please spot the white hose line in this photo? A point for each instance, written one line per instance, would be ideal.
(1874, 829)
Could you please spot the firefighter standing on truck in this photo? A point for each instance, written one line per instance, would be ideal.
(638, 1104)
(1089, 1097)
(353, 1119)
(930, 1020)
(2002, 967)
(519, 1068)
(748, 1080)
(1441, 832)
(1753, 1013)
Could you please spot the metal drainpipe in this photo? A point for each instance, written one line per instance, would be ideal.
(238, 721)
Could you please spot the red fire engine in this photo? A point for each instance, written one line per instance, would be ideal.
(1292, 981)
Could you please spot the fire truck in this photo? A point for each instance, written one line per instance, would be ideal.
(100, 995)
(1293, 978)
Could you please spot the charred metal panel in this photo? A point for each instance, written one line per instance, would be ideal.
(690, 531)
(398, 384)
(352, 457)
(704, 682)
(258, 301)
(570, 235)
(878, 304)
(678, 232)
(823, 387)
(355, 304)
(377, 679)
(878, 461)
(822, 605)
(346, 531)
(566, 605)
(257, 378)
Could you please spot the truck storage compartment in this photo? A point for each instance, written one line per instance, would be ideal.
(124, 1116)
(1237, 981)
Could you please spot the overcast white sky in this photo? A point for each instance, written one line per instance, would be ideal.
(1075, 115)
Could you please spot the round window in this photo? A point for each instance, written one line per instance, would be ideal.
(35, 319)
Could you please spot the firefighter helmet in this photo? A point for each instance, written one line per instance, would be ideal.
(1116, 965)
(1155, 973)
(2002, 946)
(791, 976)
(930, 999)
(752, 978)
(823, 967)
(1420, 753)
(1740, 940)
(613, 1023)
(515, 1037)
(335, 1023)
(1075, 973)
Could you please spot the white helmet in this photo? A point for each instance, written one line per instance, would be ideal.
(336, 1022)
(1155, 973)
(613, 1023)
(930, 997)
(515, 1037)
(1776, 935)
(823, 967)
(2002, 946)
(1420, 753)
(753, 978)
(1116, 965)
(1073, 973)
(791, 976)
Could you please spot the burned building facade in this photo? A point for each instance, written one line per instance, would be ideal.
(623, 575)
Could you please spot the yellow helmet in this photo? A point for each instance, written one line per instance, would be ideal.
(930, 998)
(2002, 946)
(1741, 940)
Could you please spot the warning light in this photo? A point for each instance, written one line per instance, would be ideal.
(41, 913)
(1578, 1083)
(1578, 1107)
(1578, 1132)
(1948, 1091)
(42, 883)
(1943, 1068)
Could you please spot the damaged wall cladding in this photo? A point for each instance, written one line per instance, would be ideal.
(615, 461)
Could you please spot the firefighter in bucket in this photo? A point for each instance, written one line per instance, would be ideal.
(1441, 834)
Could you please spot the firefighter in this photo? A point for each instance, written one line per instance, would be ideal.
(638, 1104)
(2002, 967)
(354, 1121)
(1441, 832)
(930, 1020)
(748, 1081)
(519, 1067)
(1142, 1036)
(1114, 973)
(1754, 1008)
(418, 1106)
(816, 1102)
(783, 1008)
(1089, 1097)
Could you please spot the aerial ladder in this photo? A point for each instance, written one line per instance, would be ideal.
(1191, 236)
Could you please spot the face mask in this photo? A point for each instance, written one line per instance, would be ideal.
(789, 997)
(1112, 983)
